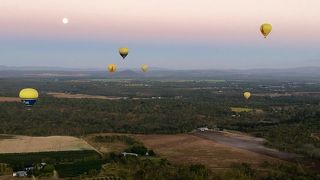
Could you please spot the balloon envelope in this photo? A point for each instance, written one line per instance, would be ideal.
(112, 68)
(247, 95)
(265, 29)
(144, 68)
(123, 52)
(28, 96)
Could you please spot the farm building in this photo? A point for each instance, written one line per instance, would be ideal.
(130, 154)
(202, 129)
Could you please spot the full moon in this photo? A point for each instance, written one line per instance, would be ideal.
(65, 20)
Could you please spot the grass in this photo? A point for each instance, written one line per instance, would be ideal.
(239, 109)
(106, 143)
(247, 110)
(28, 144)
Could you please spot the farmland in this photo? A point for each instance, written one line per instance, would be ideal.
(110, 142)
(186, 155)
(70, 156)
(26, 144)
(189, 149)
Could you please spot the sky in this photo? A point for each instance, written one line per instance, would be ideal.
(173, 34)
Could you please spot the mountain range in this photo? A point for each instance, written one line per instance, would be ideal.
(306, 73)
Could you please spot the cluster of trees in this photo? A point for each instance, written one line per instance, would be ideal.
(4, 169)
(134, 146)
(140, 150)
(159, 168)
(288, 129)
(151, 168)
(76, 169)
(116, 138)
(53, 116)
(267, 171)
(46, 171)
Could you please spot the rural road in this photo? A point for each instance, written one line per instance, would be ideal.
(244, 142)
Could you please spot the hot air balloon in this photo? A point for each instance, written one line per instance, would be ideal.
(123, 52)
(265, 29)
(144, 68)
(247, 95)
(28, 96)
(112, 68)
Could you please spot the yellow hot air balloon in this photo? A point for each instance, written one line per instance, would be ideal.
(112, 68)
(144, 68)
(247, 95)
(123, 52)
(265, 29)
(29, 96)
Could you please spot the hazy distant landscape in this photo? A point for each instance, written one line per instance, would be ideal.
(301, 73)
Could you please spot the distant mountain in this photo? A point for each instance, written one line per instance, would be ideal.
(300, 73)
(45, 68)
(124, 73)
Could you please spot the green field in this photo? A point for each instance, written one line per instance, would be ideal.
(65, 161)
(246, 110)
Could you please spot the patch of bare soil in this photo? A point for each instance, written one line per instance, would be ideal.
(190, 149)
(9, 99)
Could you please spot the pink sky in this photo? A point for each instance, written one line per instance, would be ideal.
(294, 21)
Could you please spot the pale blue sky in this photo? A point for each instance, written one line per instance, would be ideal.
(176, 34)
(92, 54)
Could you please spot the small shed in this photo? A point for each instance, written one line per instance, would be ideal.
(130, 154)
